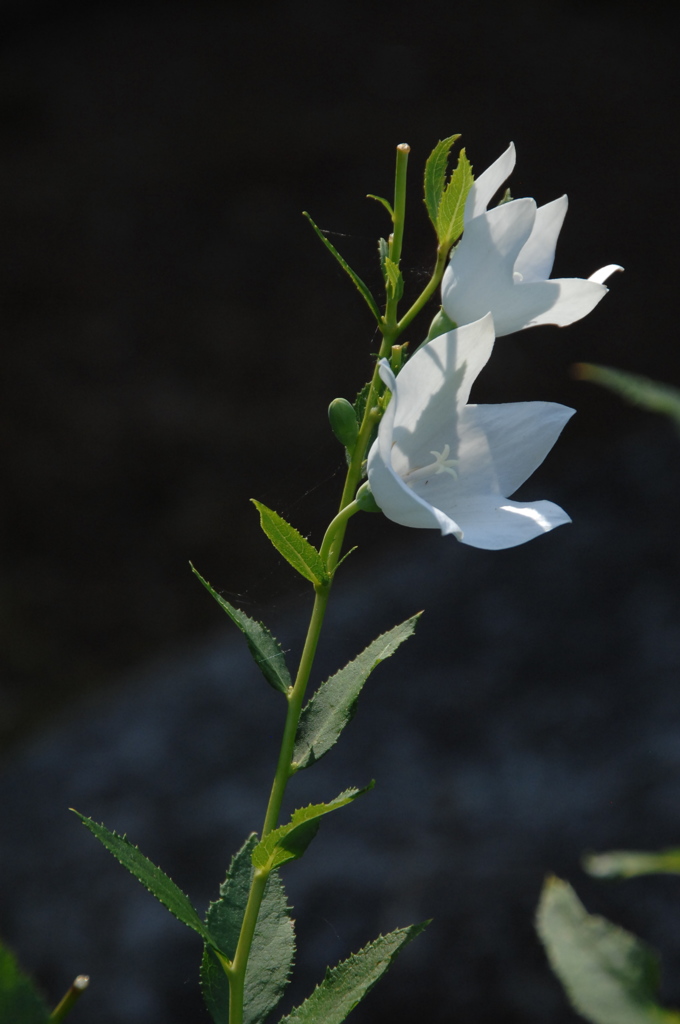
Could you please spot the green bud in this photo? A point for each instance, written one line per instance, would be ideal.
(365, 499)
(343, 420)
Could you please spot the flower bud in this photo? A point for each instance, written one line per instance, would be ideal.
(343, 420)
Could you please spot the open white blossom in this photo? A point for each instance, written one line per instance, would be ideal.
(504, 259)
(440, 463)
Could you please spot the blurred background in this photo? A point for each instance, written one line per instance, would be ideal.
(173, 332)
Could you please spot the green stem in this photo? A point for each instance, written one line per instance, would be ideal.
(389, 320)
(428, 291)
(330, 552)
(295, 699)
(237, 971)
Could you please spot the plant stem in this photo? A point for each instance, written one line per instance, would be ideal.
(330, 550)
(71, 998)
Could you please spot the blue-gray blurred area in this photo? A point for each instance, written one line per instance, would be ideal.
(172, 334)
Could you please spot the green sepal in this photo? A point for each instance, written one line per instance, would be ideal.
(151, 877)
(365, 499)
(451, 213)
(637, 390)
(272, 951)
(395, 278)
(343, 421)
(385, 203)
(505, 198)
(359, 284)
(441, 324)
(334, 703)
(288, 842)
(265, 649)
(346, 984)
(20, 1002)
(435, 175)
(609, 975)
(297, 551)
(630, 863)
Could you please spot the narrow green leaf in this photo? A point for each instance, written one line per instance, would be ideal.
(395, 278)
(272, 950)
(363, 288)
(288, 842)
(334, 703)
(264, 648)
(435, 175)
(379, 199)
(610, 976)
(346, 984)
(383, 254)
(450, 216)
(629, 863)
(637, 390)
(297, 551)
(155, 880)
(20, 1003)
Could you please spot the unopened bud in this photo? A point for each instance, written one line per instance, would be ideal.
(343, 420)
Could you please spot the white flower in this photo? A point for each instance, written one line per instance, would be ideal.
(440, 463)
(504, 259)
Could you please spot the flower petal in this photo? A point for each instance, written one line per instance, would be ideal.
(479, 278)
(502, 445)
(487, 184)
(535, 261)
(600, 276)
(494, 523)
(437, 379)
(397, 501)
(573, 298)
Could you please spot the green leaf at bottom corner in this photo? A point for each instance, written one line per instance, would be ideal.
(297, 551)
(346, 984)
(20, 1003)
(609, 975)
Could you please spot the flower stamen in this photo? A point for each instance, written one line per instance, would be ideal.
(442, 464)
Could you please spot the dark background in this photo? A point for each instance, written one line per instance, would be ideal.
(172, 330)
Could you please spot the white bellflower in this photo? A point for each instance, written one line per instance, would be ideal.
(440, 463)
(504, 259)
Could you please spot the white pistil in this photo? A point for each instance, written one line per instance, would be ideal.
(442, 464)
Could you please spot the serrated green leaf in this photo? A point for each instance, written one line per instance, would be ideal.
(346, 984)
(450, 216)
(20, 1003)
(334, 703)
(265, 649)
(629, 863)
(395, 278)
(297, 551)
(610, 976)
(151, 877)
(273, 947)
(435, 175)
(359, 284)
(638, 390)
(288, 842)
